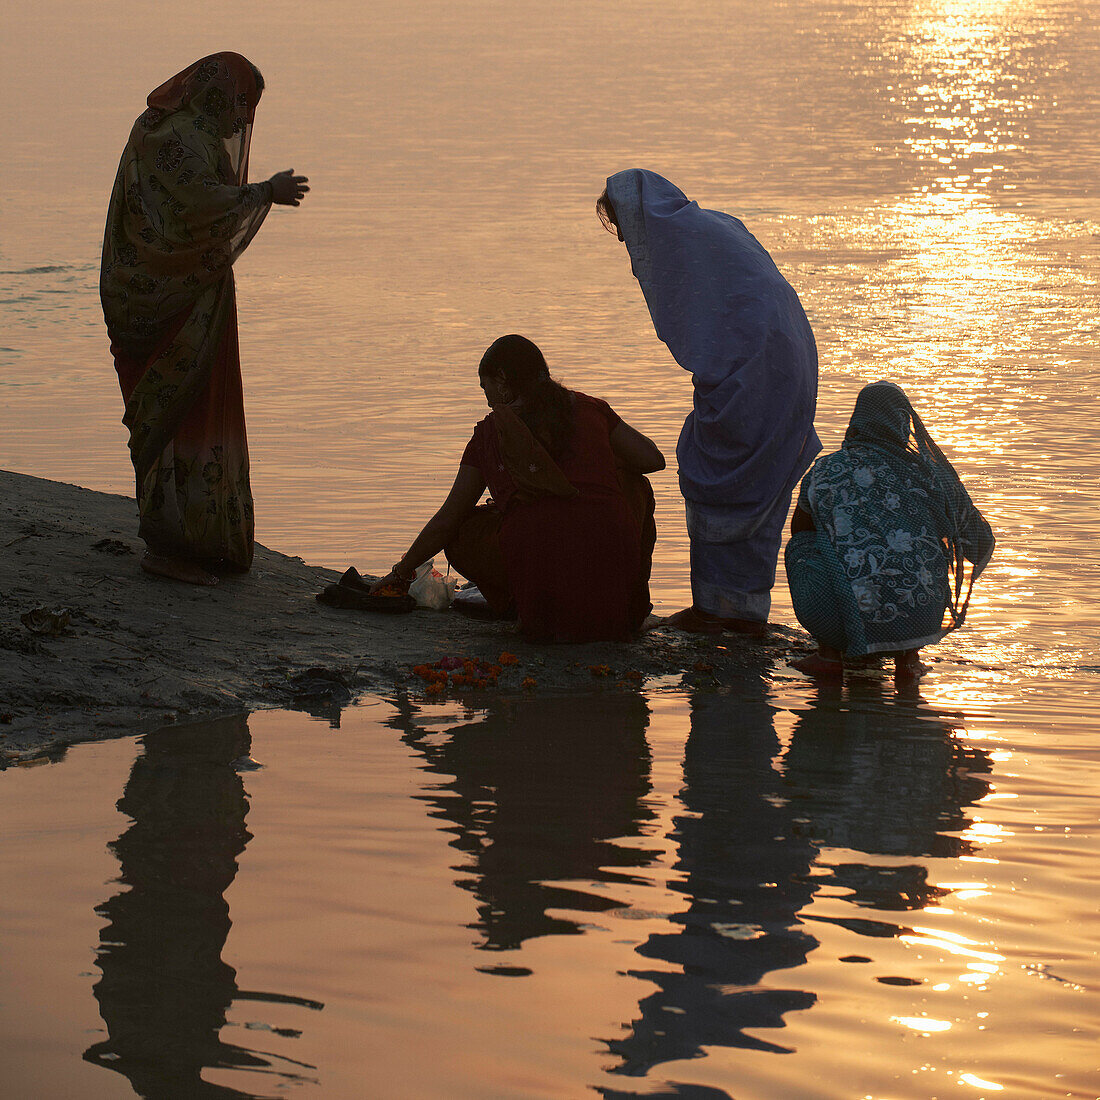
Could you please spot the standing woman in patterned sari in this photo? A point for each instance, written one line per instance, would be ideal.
(181, 212)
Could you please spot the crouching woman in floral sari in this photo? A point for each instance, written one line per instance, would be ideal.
(879, 541)
(567, 543)
(181, 212)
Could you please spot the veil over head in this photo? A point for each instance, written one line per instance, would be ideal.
(221, 92)
(730, 318)
(885, 423)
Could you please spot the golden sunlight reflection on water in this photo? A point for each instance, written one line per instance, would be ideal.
(947, 263)
(768, 867)
(657, 923)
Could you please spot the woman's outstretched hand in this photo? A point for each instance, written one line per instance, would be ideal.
(390, 585)
(287, 189)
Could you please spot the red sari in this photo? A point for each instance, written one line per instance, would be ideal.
(573, 560)
(180, 214)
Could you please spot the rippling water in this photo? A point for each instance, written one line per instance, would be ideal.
(925, 173)
(921, 170)
(759, 889)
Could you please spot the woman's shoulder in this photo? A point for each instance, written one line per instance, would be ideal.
(586, 398)
(480, 437)
(834, 460)
(596, 405)
(484, 429)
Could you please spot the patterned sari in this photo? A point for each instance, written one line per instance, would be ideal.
(883, 570)
(180, 215)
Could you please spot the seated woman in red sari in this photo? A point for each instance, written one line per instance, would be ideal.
(567, 542)
(181, 213)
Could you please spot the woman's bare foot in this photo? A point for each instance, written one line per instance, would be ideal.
(696, 621)
(827, 668)
(752, 627)
(908, 665)
(177, 569)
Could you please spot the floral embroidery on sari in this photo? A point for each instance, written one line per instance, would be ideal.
(895, 563)
(181, 212)
(898, 526)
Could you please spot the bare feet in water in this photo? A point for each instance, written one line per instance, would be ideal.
(695, 621)
(177, 569)
(908, 665)
(817, 664)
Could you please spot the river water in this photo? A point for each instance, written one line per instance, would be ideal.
(924, 172)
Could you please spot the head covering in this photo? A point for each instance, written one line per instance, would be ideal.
(222, 91)
(885, 421)
(883, 417)
(227, 71)
(730, 318)
(181, 211)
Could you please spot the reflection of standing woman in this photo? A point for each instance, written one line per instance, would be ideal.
(166, 990)
(730, 318)
(180, 215)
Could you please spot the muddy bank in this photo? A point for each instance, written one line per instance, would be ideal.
(133, 653)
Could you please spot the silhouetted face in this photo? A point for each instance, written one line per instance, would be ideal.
(496, 390)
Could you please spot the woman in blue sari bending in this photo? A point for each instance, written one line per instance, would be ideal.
(879, 538)
(729, 318)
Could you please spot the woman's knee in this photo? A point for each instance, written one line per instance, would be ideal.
(812, 580)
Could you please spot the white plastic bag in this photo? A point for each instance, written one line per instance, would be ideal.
(431, 588)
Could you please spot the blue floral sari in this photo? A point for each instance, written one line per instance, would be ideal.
(884, 567)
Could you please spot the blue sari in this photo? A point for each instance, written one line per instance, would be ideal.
(729, 318)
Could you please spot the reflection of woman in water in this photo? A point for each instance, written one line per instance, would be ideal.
(166, 989)
(567, 544)
(742, 865)
(730, 318)
(543, 792)
(865, 777)
(181, 213)
(888, 777)
(878, 541)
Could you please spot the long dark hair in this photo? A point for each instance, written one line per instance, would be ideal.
(606, 213)
(547, 407)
